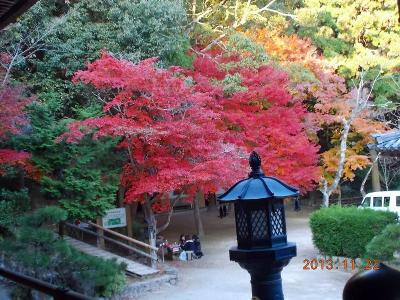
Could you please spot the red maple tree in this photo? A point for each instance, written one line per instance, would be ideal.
(168, 128)
(12, 119)
(184, 131)
(261, 115)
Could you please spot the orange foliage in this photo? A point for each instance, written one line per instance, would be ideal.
(324, 93)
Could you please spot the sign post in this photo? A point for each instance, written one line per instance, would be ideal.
(114, 218)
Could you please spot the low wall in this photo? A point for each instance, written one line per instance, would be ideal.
(137, 288)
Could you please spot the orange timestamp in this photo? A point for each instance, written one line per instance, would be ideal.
(346, 264)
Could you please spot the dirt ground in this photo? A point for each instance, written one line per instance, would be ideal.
(215, 277)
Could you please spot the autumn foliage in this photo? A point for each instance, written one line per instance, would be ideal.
(166, 125)
(183, 131)
(314, 82)
(11, 110)
(12, 119)
(258, 113)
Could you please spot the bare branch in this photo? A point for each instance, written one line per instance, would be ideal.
(267, 8)
(240, 17)
(170, 212)
(33, 42)
(214, 42)
(390, 168)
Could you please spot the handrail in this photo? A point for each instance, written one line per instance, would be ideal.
(58, 293)
(129, 239)
(111, 240)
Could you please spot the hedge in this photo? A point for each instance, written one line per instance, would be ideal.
(345, 231)
(384, 245)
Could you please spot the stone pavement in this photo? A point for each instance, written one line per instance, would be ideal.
(214, 277)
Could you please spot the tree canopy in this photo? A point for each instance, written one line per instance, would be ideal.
(228, 76)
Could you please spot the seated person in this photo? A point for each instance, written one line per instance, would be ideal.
(197, 246)
(188, 245)
(181, 240)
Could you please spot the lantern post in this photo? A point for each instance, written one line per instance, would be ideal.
(262, 248)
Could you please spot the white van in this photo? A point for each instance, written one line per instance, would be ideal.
(387, 200)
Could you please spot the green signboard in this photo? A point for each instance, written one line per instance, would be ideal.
(114, 221)
(115, 217)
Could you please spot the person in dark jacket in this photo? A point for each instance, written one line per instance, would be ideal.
(221, 212)
(189, 244)
(197, 246)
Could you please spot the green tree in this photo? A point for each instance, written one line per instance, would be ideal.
(354, 34)
(83, 177)
(211, 22)
(50, 43)
(35, 250)
(63, 37)
(13, 204)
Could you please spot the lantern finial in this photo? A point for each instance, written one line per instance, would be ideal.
(255, 164)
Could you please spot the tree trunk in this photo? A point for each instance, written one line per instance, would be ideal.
(121, 195)
(134, 207)
(325, 199)
(166, 224)
(374, 165)
(197, 216)
(100, 241)
(339, 195)
(121, 198)
(212, 199)
(376, 185)
(327, 190)
(152, 226)
(129, 223)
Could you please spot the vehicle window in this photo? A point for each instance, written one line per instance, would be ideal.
(386, 201)
(367, 202)
(397, 200)
(377, 201)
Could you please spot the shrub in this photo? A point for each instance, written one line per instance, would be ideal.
(384, 245)
(12, 206)
(345, 231)
(38, 252)
(46, 215)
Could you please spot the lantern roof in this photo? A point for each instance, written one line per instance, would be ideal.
(258, 186)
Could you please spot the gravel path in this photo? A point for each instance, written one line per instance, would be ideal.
(214, 277)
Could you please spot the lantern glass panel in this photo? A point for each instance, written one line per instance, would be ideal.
(277, 221)
(241, 224)
(259, 224)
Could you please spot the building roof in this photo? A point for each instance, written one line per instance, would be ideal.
(10, 10)
(386, 142)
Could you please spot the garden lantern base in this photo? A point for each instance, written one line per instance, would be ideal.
(265, 267)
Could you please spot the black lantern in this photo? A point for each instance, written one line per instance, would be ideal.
(262, 248)
(380, 283)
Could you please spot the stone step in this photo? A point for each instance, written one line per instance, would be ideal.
(133, 268)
